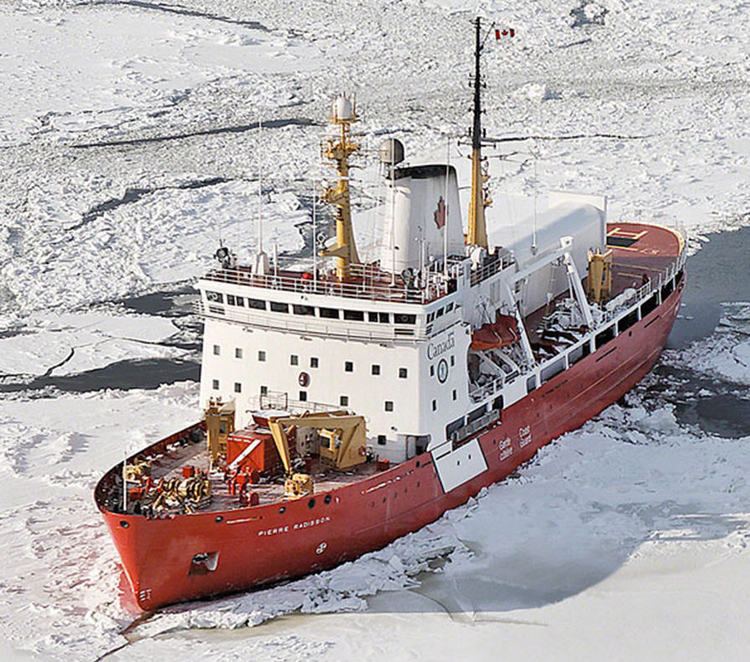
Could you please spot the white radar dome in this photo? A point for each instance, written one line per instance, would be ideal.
(342, 108)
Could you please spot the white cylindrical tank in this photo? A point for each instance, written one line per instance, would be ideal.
(571, 217)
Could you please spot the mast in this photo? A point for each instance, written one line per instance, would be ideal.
(339, 150)
(477, 235)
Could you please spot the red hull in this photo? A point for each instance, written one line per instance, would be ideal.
(268, 543)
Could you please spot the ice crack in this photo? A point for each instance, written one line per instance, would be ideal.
(132, 195)
(240, 128)
(184, 11)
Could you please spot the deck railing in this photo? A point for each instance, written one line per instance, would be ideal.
(362, 287)
(645, 290)
(368, 281)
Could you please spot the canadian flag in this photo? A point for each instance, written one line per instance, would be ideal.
(504, 33)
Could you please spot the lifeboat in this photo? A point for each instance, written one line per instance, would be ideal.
(501, 333)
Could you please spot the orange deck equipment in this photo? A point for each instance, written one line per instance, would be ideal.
(250, 449)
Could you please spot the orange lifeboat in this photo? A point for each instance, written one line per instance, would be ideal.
(501, 333)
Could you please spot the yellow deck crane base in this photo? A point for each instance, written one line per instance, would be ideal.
(343, 444)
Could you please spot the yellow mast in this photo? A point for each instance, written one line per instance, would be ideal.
(477, 234)
(339, 150)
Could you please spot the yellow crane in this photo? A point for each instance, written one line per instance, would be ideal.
(343, 444)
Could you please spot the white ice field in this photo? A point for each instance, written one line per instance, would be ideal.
(129, 147)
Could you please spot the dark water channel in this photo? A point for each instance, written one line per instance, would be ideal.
(718, 274)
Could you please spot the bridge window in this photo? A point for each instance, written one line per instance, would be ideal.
(354, 315)
(279, 307)
(403, 373)
(230, 299)
(313, 361)
(256, 303)
(261, 355)
(215, 297)
(381, 440)
(294, 359)
(375, 369)
(344, 400)
(240, 301)
(303, 310)
(402, 318)
(329, 313)
(389, 405)
(303, 396)
(348, 366)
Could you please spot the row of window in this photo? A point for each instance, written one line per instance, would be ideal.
(431, 317)
(343, 400)
(403, 373)
(325, 313)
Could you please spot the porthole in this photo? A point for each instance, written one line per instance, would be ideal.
(218, 518)
(419, 464)
(124, 524)
(282, 510)
(311, 503)
(327, 498)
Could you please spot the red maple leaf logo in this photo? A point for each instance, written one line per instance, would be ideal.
(439, 214)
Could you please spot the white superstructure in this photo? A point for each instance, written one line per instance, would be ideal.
(394, 342)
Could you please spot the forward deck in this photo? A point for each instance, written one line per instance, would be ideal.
(168, 462)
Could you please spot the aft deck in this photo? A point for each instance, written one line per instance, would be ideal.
(644, 258)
